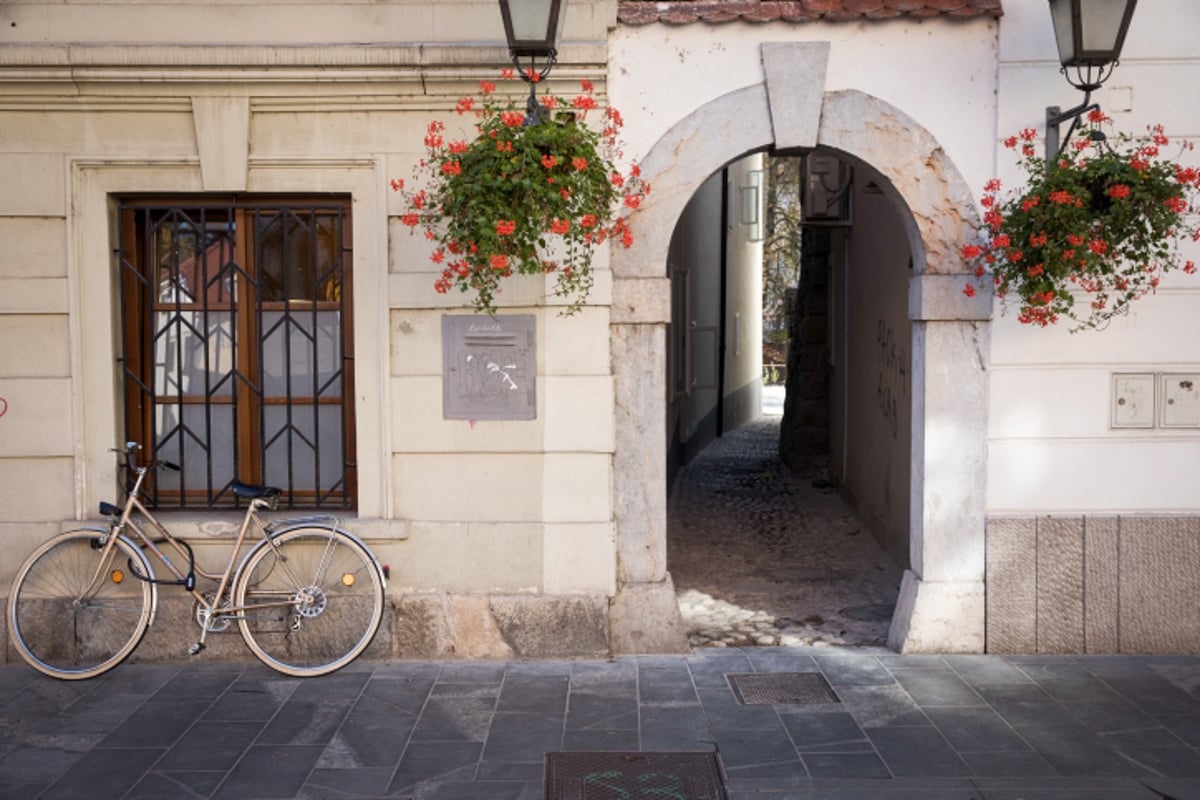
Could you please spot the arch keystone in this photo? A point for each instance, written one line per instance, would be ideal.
(795, 78)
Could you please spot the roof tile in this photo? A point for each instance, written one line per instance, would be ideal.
(684, 12)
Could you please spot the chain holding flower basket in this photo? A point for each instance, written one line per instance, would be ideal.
(1089, 234)
(522, 197)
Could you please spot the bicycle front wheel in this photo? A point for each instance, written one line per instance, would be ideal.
(75, 610)
(311, 600)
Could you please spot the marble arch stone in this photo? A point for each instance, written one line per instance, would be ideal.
(941, 603)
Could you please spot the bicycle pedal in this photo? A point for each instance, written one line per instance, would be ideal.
(195, 649)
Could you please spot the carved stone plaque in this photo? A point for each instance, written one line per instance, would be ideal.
(489, 367)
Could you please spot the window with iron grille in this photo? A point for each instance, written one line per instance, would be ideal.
(237, 360)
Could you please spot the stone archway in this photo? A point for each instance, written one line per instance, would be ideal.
(941, 604)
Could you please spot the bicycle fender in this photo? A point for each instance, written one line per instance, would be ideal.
(144, 562)
(301, 525)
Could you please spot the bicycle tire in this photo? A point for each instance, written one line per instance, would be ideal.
(61, 634)
(315, 637)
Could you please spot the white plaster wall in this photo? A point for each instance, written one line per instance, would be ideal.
(877, 395)
(743, 297)
(699, 233)
(450, 506)
(1051, 449)
(941, 72)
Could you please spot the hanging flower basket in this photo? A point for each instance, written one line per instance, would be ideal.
(518, 198)
(1090, 234)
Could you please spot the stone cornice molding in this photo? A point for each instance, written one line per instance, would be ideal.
(272, 63)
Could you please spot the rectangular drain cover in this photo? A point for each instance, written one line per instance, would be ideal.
(781, 688)
(633, 776)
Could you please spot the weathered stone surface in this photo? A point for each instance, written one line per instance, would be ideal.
(645, 619)
(1060, 585)
(641, 300)
(942, 297)
(639, 468)
(1101, 588)
(500, 626)
(1011, 586)
(547, 626)
(938, 617)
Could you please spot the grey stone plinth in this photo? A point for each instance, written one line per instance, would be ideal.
(645, 618)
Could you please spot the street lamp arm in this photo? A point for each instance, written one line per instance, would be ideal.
(1055, 116)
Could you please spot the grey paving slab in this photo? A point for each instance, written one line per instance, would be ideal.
(917, 753)
(600, 741)
(854, 671)
(937, 687)
(155, 723)
(252, 698)
(880, 706)
(210, 746)
(104, 773)
(845, 765)
(1156, 750)
(461, 790)
(1024, 705)
(826, 733)
(544, 694)
(1174, 788)
(333, 784)
(1065, 789)
(747, 748)
(676, 728)
(1113, 715)
(158, 785)
(1044, 727)
(305, 722)
(373, 734)
(447, 719)
(661, 686)
(618, 673)
(404, 696)
(709, 671)
(975, 729)
(607, 711)
(430, 761)
(985, 670)
(1007, 764)
(1074, 751)
(523, 736)
(266, 772)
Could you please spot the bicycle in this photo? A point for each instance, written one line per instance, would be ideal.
(307, 597)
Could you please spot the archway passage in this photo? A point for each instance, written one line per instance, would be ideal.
(941, 606)
(794, 533)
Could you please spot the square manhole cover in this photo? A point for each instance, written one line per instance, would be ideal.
(633, 776)
(781, 688)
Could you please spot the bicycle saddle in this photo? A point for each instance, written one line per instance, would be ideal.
(251, 492)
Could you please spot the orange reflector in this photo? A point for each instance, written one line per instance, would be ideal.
(117, 576)
(348, 579)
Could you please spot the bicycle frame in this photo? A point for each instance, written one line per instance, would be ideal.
(127, 523)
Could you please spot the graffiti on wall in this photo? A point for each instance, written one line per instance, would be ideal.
(891, 361)
(3, 406)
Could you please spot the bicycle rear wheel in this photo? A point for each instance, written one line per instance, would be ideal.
(319, 597)
(75, 610)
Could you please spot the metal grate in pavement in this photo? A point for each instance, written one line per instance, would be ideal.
(781, 688)
(614, 776)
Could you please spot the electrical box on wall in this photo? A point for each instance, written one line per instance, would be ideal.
(1133, 400)
(1179, 394)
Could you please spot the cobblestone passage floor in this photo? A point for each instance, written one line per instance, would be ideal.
(762, 557)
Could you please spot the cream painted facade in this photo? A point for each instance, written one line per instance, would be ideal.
(548, 537)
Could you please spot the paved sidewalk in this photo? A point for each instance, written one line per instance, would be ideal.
(906, 728)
